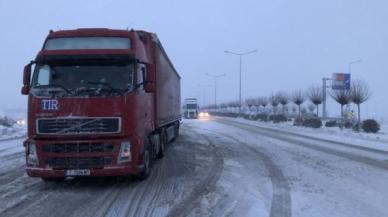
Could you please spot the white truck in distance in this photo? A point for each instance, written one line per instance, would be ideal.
(190, 108)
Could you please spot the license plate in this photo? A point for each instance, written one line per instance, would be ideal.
(77, 173)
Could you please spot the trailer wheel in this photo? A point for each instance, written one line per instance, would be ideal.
(163, 143)
(176, 130)
(147, 162)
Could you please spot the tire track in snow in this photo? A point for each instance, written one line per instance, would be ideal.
(281, 197)
(9, 147)
(13, 138)
(143, 198)
(133, 207)
(12, 156)
(106, 201)
(158, 193)
(11, 176)
(32, 194)
(205, 186)
(58, 198)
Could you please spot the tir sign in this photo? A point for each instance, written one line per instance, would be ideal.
(49, 104)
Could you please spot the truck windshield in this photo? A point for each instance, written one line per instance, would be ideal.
(84, 79)
(191, 106)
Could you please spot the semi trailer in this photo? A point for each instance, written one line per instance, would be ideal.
(101, 102)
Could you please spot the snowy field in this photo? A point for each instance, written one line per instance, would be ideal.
(370, 140)
(12, 132)
(220, 167)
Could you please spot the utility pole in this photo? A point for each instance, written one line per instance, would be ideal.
(240, 55)
(215, 85)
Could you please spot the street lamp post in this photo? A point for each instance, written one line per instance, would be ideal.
(215, 85)
(351, 63)
(350, 73)
(240, 56)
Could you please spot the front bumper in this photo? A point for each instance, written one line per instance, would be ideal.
(72, 159)
(104, 172)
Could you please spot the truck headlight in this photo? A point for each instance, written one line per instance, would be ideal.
(32, 157)
(125, 152)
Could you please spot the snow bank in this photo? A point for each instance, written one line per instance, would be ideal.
(378, 141)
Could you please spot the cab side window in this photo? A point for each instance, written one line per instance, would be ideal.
(141, 75)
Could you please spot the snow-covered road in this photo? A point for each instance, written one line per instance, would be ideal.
(217, 167)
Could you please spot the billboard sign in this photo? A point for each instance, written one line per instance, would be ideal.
(340, 81)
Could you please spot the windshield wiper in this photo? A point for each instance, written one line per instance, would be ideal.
(106, 85)
(54, 85)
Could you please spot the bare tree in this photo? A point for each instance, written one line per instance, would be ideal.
(263, 101)
(250, 102)
(359, 94)
(342, 97)
(274, 100)
(283, 100)
(298, 98)
(256, 104)
(316, 96)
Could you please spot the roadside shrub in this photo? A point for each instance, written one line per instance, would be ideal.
(331, 123)
(370, 126)
(262, 117)
(278, 118)
(298, 122)
(7, 122)
(255, 117)
(246, 116)
(312, 122)
(224, 114)
(229, 114)
(356, 127)
(233, 115)
(348, 125)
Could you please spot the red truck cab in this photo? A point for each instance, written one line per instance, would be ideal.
(101, 102)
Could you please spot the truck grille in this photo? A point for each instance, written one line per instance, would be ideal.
(79, 162)
(77, 147)
(78, 125)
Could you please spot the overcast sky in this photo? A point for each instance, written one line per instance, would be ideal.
(298, 42)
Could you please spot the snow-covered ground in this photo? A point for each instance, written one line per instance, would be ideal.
(14, 131)
(375, 141)
(219, 167)
(313, 178)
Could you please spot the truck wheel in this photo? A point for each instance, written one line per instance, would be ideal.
(56, 179)
(147, 162)
(177, 130)
(163, 142)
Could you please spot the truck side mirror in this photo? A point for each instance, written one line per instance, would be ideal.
(27, 78)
